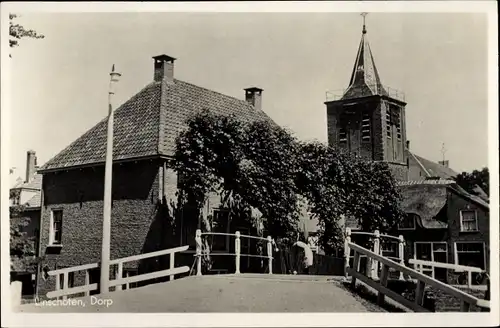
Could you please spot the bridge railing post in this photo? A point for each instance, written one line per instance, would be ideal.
(401, 253)
(198, 252)
(270, 253)
(347, 250)
(376, 250)
(237, 251)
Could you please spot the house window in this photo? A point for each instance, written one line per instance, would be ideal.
(468, 221)
(408, 222)
(55, 232)
(365, 127)
(434, 252)
(470, 254)
(390, 248)
(220, 223)
(388, 122)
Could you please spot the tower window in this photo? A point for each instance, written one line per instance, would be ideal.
(398, 125)
(365, 127)
(388, 122)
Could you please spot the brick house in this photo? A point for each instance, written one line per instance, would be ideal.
(368, 119)
(144, 213)
(445, 224)
(26, 194)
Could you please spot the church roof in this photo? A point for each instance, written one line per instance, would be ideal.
(365, 80)
(147, 124)
(433, 169)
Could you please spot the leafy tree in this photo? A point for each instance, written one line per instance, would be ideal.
(22, 249)
(469, 181)
(262, 166)
(18, 32)
(337, 184)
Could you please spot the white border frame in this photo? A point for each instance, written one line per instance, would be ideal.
(12, 319)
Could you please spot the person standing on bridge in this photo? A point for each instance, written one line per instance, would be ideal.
(307, 261)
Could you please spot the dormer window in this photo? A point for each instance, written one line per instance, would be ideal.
(365, 127)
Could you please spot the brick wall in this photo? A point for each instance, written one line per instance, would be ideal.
(399, 171)
(137, 222)
(457, 203)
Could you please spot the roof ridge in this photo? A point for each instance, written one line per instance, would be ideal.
(217, 92)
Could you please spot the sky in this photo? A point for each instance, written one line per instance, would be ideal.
(59, 84)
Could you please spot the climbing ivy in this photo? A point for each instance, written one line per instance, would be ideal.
(262, 166)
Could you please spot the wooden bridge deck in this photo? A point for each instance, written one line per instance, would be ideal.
(226, 293)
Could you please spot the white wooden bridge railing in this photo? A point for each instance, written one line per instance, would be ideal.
(421, 280)
(119, 281)
(421, 265)
(237, 249)
(372, 265)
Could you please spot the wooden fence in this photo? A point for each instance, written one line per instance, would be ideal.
(421, 281)
(119, 281)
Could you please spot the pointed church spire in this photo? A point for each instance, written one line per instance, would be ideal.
(365, 80)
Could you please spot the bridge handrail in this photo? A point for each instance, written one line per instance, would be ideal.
(237, 248)
(118, 281)
(456, 267)
(232, 235)
(422, 279)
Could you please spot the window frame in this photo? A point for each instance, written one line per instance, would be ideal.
(414, 216)
(456, 252)
(475, 220)
(366, 126)
(431, 243)
(52, 231)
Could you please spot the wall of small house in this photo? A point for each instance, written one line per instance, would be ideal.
(139, 224)
(455, 204)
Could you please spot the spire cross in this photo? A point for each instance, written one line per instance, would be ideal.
(364, 26)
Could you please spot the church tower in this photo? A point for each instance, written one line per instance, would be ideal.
(368, 119)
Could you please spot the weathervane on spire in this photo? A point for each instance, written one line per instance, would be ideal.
(364, 26)
(443, 151)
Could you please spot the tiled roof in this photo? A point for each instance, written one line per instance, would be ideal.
(365, 80)
(35, 201)
(425, 182)
(35, 183)
(148, 123)
(434, 169)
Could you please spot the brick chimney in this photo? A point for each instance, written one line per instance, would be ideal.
(163, 68)
(30, 165)
(445, 163)
(254, 97)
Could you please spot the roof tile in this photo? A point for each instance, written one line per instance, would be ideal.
(148, 123)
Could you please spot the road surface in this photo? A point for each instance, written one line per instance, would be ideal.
(223, 293)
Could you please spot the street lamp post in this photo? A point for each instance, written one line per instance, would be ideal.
(106, 222)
